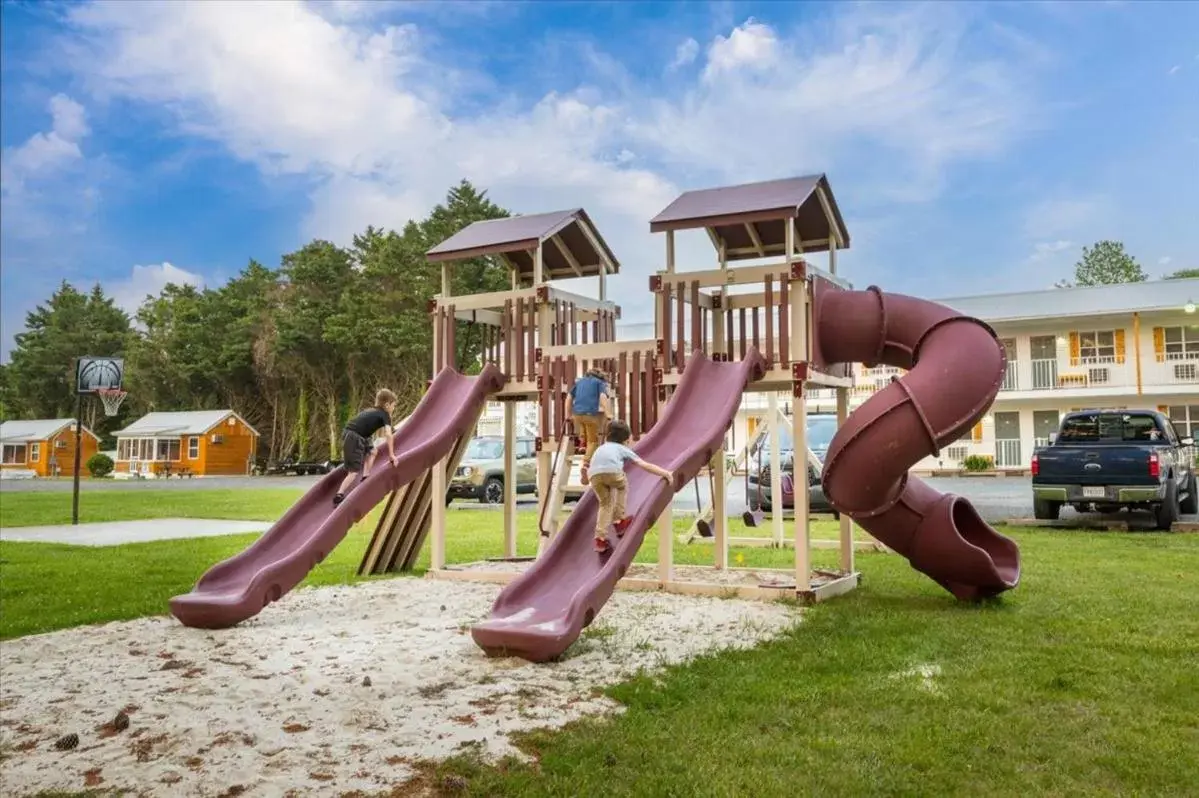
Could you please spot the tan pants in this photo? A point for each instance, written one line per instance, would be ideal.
(589, 428)
(611, 490)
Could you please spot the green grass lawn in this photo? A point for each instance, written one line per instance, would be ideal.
(1084, 680)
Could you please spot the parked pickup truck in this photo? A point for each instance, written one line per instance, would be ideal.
(1107, 460)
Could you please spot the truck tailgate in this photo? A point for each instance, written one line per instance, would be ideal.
(1094, 465)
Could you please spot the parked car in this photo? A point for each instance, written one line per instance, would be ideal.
(1107, 460)
(480, 474)
(290, 465)
(821, 428)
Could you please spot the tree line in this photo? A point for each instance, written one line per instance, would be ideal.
(296, 350)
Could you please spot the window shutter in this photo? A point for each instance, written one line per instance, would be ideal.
(1164, 409)
(1120, 346)
(1159, 344)
(977, 433)
(1075, 349)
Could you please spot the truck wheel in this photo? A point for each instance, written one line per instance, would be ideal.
(1166, 513)
(1046, 510)
(493, 490)
(1190, 505)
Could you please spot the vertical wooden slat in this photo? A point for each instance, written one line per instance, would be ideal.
(568, 380)
(703, 327)
(667, 331)
(622, 386)
(769, 322)
(532, 341)
(452, 350)
(518, 338)
(744, 341)
(574, 324)
(635, 399)
(757, 338)
(584, 325)
(545, 424)
(680, 331)
(728, 334)
(784, 323)
(696, 318)
(508, 339)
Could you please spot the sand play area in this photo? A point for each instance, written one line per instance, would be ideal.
(331, 691)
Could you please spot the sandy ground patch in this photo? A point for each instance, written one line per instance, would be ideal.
(332, 690)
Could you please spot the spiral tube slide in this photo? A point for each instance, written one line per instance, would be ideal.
(956, 369)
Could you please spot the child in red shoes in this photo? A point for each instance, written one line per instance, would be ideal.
(610, 484)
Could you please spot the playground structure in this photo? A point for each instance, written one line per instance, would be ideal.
(779, 324)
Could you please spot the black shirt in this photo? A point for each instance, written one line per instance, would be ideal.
(369, 421)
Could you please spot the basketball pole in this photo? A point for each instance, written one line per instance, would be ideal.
(78, 455)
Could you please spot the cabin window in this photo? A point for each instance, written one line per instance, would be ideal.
(167, 449)
(14, 454)
(193, 448)
(35, 452)
(1097, 347)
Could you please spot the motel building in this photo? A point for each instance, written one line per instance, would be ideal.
(1112, 346)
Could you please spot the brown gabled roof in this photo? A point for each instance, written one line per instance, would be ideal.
(765, 208)
(572, 247)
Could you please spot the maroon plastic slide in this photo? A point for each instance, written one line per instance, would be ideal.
(242, 586)
(544, 610)
(956, 369)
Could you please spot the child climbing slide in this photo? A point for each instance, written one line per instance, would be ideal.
(610, 484)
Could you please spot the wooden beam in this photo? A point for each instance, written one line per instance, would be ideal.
(600, 350)
(754, 237)
(487, 301)
(771, 248)
(834, 228)
(581, 302)
(592, 239)
(567, 254)
(716, 278)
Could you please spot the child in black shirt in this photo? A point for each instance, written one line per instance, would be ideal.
(356, 446)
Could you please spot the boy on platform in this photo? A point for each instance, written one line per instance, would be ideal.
(356, 440)
(610, 484)
(587, 406)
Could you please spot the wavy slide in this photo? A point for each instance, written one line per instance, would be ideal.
(956, 369)
(242, 586)
(543, 611)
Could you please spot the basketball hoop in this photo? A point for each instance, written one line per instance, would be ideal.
(112, 398)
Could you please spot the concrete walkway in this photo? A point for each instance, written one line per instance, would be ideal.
(114, 533)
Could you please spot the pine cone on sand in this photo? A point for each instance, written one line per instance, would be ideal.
(66, 742)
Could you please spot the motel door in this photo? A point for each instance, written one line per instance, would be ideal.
(1007, 440)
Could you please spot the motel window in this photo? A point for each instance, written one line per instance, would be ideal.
(1185, 419)
(14, 454)
(1182, 343)
(35, 452)
(1097, 347)
(193, 448)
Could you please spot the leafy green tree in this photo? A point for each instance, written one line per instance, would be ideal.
(68, 325)
(1182, 274)
(1106, 263)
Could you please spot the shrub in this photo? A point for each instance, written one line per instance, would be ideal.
(979, 462)
(99, 465)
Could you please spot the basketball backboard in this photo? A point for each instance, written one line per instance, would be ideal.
(95, 373)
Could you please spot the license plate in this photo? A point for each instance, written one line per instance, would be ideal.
(1094, 493)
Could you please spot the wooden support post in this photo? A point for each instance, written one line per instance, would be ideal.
(800, 351)
(437, 558)
(846, 521)
(666, 520)
(720, 519)
(510, 483)
(776, 470)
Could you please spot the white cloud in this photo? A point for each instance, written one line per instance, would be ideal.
(128, 294)
(751, 45)
(1165, 260)
(1045, 250)
(361, 108)
(46, 153)
(685, 53)
(1174, 70)
(1064, 216)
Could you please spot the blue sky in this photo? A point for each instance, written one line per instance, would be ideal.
(972, 147)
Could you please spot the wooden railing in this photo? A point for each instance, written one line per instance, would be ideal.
(631, 376)
(511, 337)
(687, 320)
